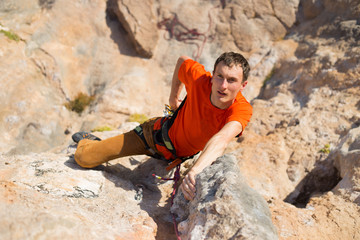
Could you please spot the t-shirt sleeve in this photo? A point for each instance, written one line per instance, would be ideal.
(241, 113)
(190, 71)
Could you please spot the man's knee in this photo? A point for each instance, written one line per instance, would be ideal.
(81, 162)
(84, 160)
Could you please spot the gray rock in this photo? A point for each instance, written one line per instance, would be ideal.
(347, 156)
(225, 207)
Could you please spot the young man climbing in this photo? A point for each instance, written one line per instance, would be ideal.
(213, 113)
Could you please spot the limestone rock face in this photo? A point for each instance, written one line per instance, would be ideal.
(64, 51)
(260, 21)
(225, 206)
(326, 208)
(299, 151)
(52, 198)
(139, 24)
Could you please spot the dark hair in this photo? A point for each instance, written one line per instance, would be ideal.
(231, 58)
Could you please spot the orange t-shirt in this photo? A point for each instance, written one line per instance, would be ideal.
(198, 120)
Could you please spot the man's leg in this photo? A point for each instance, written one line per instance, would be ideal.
(90, 153)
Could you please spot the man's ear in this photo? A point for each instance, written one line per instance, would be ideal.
(243, 85)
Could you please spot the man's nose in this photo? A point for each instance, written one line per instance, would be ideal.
(224, 84)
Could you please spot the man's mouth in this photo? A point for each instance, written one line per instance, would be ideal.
(221, 93)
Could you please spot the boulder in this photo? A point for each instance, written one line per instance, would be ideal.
(312, 8)
(225, 207)
(140, 25)
(347, 156)
(254, 23)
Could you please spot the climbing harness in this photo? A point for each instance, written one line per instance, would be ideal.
(163, 142)
(162, 139)
(176, 178)
(139, 131)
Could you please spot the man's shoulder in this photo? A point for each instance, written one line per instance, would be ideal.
(240, 99)
(195, 68)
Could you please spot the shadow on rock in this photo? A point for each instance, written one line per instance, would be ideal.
(149, 190)
(118, 33)
(73, 165)
(151, 194)
(323, 178)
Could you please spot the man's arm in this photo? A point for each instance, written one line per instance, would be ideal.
(176, 85)
(214, 148)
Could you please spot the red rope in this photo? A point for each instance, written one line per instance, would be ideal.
(176, 178)
(181, 33)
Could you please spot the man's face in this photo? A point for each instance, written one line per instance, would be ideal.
(226, 84)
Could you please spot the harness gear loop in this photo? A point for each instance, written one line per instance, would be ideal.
(162, 139)
(168, 112)
(139, 131)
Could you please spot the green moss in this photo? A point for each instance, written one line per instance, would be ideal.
(138, 117)
(269, 76)
(11, 35)
(80, 102)
(102, 129)
(325, 149)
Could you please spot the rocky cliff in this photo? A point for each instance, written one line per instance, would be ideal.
(300, 152)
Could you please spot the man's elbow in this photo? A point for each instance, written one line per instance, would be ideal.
(182, 59)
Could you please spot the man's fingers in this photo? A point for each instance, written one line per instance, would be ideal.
(188, 186)
(190, 181)
(192, 187)
(188, 193)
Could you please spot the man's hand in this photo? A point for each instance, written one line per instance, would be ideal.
(214, 148)
(176, 85)
(174, 103)
(188, 186)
